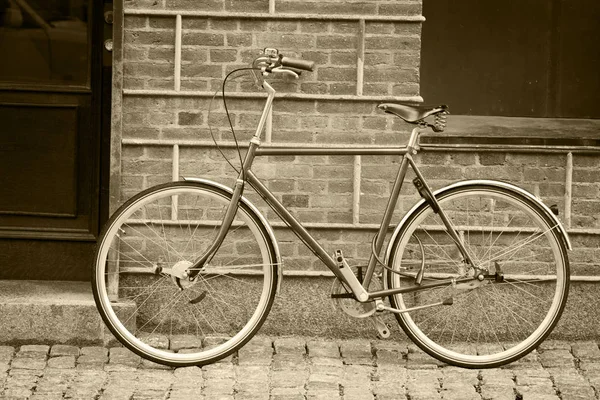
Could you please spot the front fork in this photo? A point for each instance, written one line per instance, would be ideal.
(238, 189)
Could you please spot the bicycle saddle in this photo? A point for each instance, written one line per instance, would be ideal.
(410, 113)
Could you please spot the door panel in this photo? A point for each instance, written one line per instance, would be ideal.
(50, 137)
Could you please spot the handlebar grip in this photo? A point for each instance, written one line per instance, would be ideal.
(305, 65)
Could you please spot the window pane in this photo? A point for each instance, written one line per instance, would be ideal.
(44, 41)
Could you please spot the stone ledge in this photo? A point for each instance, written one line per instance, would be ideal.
(46, 312)
(49, 311)
(468, 129)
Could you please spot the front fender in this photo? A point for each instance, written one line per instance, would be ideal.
(261, 218)
(499, 184)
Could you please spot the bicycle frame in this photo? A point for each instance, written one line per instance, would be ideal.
(247, 176)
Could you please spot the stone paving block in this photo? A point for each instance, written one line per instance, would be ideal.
(593, 377)
(460, 395)
(92, 358)
(291, 345)
(418, 359)
(328, 370)
(288, 361)
(35, 348)
(423, 382)
(545, 390)
(497, 377)
(64, 350)
(288, 392)
(6, 353)
(323, 349)
(288, 378)
(120, 358)
(287, 397)
(497, 393)
(388, 378)
(357, 393)
(16, 393)
(55, 382)
(216, 387)
(531, 360)
(393, 396)
(554, 345)
(252, 396)
(585, 351)
(451, 375)
(356, 352)
(251, 373)
(388, 390)
(327, 394)
(35, 361)
(533, 378)
(87, 384)
(570, 383)
(390, 352)
(324, 361)
(62, 362)
(256, 352)
(4, 367)
(218, 371)
(179, 342)
(357, 376)
(146, 364)
(156, 340)
(559, 358)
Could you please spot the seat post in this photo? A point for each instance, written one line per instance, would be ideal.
(413, 141)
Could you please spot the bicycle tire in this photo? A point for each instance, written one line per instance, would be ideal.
(183, 323)
(508, 233)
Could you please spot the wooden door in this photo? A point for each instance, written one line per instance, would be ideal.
(51, 107)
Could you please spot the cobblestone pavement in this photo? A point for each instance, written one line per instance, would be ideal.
(297, 368)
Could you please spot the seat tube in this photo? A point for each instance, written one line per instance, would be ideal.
(387, 217)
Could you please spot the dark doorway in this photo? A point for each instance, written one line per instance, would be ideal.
(52, 79)
(534, 58)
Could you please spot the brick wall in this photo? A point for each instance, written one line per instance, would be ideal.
(176, 53)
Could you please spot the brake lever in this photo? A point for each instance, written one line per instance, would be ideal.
(280, 70)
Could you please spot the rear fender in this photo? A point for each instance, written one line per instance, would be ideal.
(499, 184)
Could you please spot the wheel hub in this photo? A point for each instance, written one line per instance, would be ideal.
(180, 274)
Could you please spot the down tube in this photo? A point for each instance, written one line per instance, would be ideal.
(293, 223)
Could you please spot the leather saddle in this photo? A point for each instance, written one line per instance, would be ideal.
(410, 113)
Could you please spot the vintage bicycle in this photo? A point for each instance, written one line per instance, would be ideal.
(476, 273)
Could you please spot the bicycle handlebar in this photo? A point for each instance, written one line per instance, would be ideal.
(305, 65)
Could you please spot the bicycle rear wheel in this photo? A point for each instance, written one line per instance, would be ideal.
(182, 322)
(494, 321)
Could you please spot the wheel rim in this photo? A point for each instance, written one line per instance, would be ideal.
(209, 318)
(454, 333)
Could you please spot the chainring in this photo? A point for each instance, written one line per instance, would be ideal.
(351, 306)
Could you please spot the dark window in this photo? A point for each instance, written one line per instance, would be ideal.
(532, 58)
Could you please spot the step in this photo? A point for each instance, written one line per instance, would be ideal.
(49, 311)
(65, 313)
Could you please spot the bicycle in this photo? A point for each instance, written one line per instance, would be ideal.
(476, 273)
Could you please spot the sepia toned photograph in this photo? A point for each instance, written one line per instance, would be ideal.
(299, 199)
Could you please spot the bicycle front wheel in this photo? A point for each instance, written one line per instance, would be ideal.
(178, 322)
(505, 315)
